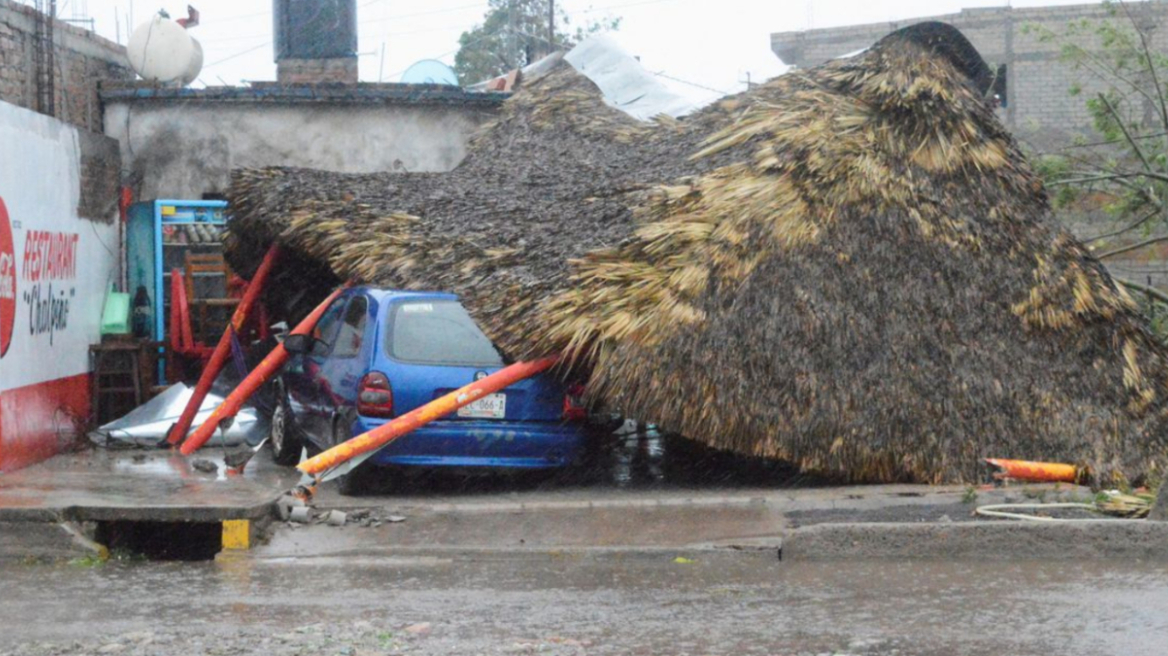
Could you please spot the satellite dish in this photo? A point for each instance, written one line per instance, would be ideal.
(160, 50)
(429, 71)
(196, 65)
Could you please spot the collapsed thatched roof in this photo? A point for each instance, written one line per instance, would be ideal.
(850, 267)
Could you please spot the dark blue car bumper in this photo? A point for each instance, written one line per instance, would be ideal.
(505, 445)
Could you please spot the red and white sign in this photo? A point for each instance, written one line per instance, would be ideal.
(7, 281)
(55, 269)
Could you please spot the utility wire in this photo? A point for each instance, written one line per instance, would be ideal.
(692, 84)
(238, 54)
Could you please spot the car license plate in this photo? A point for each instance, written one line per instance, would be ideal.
(491, 406)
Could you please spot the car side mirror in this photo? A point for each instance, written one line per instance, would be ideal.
(302, 344)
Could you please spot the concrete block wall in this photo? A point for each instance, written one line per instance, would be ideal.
(81, 60)
(1040, 108)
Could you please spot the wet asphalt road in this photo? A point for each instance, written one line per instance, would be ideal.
(594, 602)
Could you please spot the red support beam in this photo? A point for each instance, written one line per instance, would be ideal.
(254, 380)
(223, 348)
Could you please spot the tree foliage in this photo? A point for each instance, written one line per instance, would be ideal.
(1125, 158)
(515, 33)
(1122, 164)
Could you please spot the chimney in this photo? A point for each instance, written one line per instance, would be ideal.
(316, 41)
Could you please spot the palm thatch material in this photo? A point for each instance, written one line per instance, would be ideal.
(851, 267)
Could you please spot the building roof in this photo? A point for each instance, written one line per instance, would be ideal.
(270, 92)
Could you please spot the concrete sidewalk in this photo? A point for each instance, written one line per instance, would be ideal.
(898, 522)
(66, 497)
(53, 510)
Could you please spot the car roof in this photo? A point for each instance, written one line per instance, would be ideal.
(388, 295)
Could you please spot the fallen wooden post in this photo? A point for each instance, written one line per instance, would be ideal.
(260, 375)
(371, 441)
(223, 348)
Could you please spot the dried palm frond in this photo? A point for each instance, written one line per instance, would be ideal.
(851, 267)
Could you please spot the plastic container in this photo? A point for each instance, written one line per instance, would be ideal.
(115, 318)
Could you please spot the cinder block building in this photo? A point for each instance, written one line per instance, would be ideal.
(1039, 107)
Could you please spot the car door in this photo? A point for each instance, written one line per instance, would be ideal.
(303, 376)
(341, 372)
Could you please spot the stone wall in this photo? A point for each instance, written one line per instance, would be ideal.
(81, 60)
(1040, 109)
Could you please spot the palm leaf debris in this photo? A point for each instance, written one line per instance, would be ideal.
(850, 267)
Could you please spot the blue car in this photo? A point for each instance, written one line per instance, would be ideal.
(377, 354)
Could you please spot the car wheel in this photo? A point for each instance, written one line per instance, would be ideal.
(286, 446)
(355, 482)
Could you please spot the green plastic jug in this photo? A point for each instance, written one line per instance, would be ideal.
(115, 319)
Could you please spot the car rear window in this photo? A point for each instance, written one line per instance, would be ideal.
(438, 332)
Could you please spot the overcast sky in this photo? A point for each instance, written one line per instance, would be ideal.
(707, 43)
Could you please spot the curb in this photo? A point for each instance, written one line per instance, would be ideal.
(46, 542)
(980, 541)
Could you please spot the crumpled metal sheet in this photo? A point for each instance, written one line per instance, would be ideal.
(148, 424)
(626, 84)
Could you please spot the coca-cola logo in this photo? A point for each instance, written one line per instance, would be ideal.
(7, 281)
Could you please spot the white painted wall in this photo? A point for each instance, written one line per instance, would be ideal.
(184, 149)
(40, 181)
(55, 269)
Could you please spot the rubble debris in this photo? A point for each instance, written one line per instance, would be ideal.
(300, 514)
(285, 504)
(336, 518)
(204, 465)
(1159, 510)
(850, 267)
(421, 628)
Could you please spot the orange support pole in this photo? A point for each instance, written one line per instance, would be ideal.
(223, 348)
(1038, 472)
(436, 409)
(180, 324)
(260, 375)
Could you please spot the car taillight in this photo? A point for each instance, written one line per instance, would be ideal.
(574, 408)
(375, 396)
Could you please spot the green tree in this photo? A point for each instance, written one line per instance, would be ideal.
(515, 33)
(1123, 163)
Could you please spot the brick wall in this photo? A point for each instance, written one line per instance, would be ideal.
(337, 70)
(1041, 109)
(81, 59)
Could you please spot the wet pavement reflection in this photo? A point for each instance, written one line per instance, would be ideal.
(686, 602)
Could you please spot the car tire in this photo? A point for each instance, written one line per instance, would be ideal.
(356, 482)
(286, 445)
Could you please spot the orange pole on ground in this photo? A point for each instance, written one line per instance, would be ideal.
(1039, 472)
(436, 409)
(223, 348)
(260, 375)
